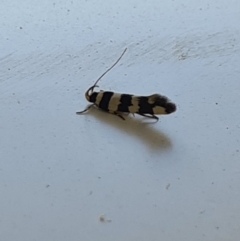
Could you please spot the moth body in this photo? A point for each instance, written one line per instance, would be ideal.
(128, 103)
(117, 103)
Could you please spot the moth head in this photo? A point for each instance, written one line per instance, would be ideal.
(90, 95)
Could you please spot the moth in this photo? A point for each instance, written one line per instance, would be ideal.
(117, 103)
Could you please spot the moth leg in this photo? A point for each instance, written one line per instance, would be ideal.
(117, 114)
(120, 116)
(155, 117)
(80, 112)
(150, 116)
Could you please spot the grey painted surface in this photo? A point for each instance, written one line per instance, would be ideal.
(96, 177)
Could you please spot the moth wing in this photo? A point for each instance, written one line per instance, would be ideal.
(157, 99)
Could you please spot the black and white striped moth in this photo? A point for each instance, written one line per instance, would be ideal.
(117, 104)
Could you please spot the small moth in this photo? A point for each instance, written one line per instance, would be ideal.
(117, 103)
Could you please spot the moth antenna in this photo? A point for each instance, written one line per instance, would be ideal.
(92, 87)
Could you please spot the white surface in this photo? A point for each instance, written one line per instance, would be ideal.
(178, 179)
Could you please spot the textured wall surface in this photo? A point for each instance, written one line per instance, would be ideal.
(96, 177)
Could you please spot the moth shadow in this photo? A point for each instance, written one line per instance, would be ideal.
(139, 127)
